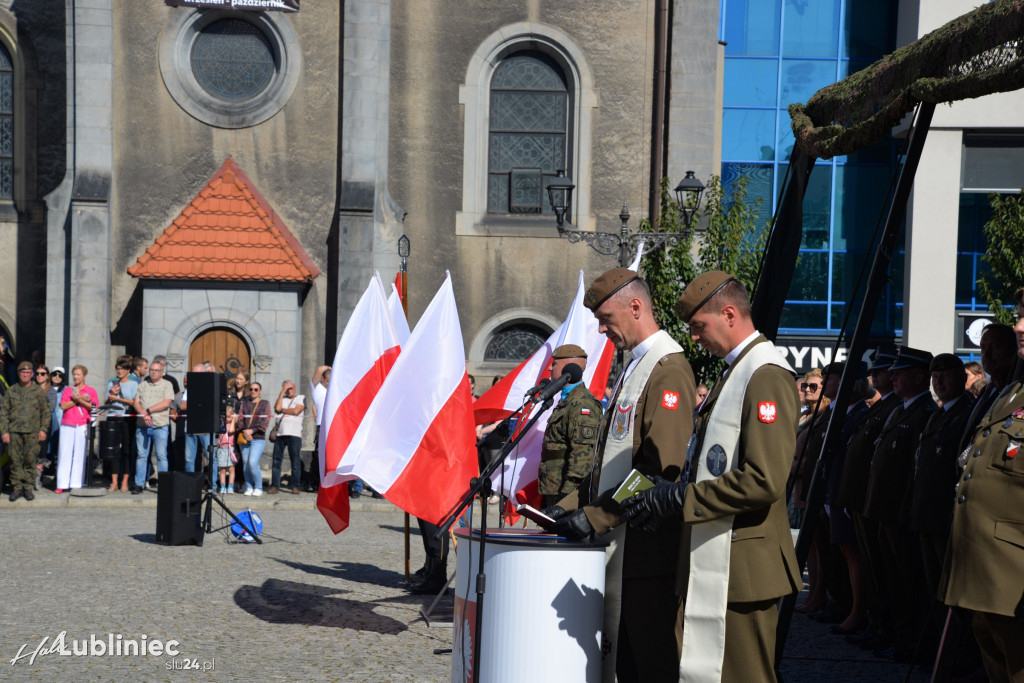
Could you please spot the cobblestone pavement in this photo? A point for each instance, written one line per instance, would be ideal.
(305, 605)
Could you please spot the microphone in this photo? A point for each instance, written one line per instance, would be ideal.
(571, 374)
(533, 390)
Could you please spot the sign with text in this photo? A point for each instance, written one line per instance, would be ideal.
(250, 5)
(807, 353)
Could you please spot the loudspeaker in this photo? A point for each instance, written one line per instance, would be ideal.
(207, 402)
(179, 514)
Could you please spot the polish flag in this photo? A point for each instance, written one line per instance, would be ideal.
(368, 349)
(517, 478)
(416, 444)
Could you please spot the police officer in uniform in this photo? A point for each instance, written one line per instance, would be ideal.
(853, 486)
(892, 468)
(984, 567)
(930, 505)
(569, 439)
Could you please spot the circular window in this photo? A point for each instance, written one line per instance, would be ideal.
(230, 71)
(233, 60)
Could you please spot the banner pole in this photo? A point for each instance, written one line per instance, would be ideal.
(403, 291)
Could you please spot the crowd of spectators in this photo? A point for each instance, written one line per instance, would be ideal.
(138, 427)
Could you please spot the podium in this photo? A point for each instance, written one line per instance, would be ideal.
(544, 608)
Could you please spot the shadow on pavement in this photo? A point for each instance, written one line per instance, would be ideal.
(359, 572)
(288, 602)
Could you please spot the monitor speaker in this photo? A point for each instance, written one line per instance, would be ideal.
(207, 402)
(179, 499)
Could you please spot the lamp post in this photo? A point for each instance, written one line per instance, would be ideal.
(688, 195)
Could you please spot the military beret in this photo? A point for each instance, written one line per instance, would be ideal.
(885, 354)
(568, 351)
(909, 357)
(1019, 297)
(25, 365)
(607, 284)
(946, 361)
(699, 291)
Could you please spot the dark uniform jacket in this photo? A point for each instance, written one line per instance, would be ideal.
(24, 410)
(660, 435)
(853, 483)
(762, 562)
(930, 507)
(569, 439)
(892, 466)
(985, 563)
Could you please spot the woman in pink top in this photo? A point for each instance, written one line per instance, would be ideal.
(77, 401)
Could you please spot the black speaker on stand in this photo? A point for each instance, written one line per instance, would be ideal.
(207, 402)
(179, 507)
(207, 414)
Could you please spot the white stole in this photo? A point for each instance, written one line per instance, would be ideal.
(707, 592)
(616, 463)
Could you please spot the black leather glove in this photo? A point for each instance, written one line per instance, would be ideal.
(645, 509)
(554, 512)
(574, 525)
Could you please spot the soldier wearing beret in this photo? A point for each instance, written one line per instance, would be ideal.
(898, 564)
(24, 424)
(732, 502)
(984, 564)
(646, 427)
(568, 449)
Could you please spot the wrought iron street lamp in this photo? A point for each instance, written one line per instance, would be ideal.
(688, 196)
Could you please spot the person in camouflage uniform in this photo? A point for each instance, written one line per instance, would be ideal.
(24, 424)
(571, 434)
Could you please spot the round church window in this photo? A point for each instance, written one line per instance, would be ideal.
(233, 60)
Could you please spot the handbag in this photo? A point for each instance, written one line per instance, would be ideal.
(273, 430)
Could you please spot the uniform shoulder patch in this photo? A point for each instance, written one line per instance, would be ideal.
(670, 400)
(584, 411)
(766, 411)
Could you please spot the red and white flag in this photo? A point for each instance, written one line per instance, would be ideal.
(367, 351)
(416, 444)
(517, 478)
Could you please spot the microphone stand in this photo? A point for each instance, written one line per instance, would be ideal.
(482, 485)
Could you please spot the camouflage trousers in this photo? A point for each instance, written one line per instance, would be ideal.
(24, 451)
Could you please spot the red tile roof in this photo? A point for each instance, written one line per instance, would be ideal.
(227, 233)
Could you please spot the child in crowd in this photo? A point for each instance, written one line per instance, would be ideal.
(226, 457)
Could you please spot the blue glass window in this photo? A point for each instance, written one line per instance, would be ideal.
(801, 78)
(752, 27)
(528, 132)
(750, 82)
(748, 134)
(788, 50)
(811, 28)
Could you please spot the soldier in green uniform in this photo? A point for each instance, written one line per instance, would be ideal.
(985, 558)
(24, 424)
(571, 434)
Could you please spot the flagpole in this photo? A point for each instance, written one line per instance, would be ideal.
(403, 290)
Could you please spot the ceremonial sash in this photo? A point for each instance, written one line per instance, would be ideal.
(616, 463)
(707, 592)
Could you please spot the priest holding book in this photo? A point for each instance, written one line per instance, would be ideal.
(645, 427)
(736, 556)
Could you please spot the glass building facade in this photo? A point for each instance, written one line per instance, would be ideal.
(779, 52)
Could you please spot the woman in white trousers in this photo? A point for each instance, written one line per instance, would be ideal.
(77, 401)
